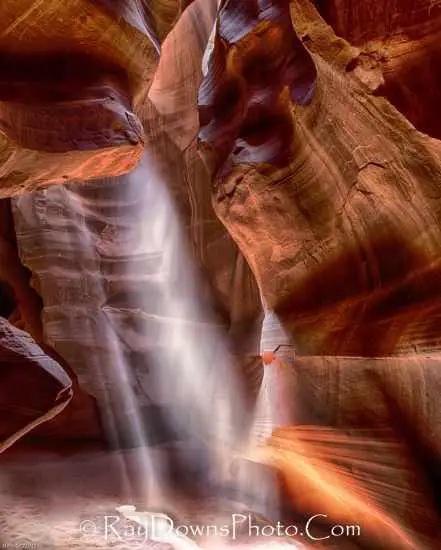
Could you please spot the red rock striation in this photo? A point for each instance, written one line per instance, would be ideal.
(329, 199)
(400, 42)
(65, 109)
(342, 232)
(323, 228)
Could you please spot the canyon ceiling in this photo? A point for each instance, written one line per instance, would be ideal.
(301, 153)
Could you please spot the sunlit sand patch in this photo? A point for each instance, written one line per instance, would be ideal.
(64, 504)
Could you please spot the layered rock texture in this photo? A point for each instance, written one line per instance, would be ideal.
(341, 227)
(34, 388)
(299, 179)
(98, 256)
(400, 43)
(64, 106)
(322, 225)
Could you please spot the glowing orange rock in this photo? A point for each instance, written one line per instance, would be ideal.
(268, 357)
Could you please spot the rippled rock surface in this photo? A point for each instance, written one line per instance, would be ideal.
(324, 228)
(285, 167)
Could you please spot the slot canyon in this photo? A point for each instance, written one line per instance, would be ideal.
(220, 274)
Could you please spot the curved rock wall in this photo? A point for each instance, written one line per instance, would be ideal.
(85, 244)
(328, 197)
(400, 40)
(324, 230)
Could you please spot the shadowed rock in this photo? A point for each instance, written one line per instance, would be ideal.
(399, 44)
(257, 68)
(321, 221)
(33, 387)
(65, 108)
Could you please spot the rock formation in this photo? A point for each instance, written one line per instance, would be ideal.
(101, 298)
(399, 43)
(33, 387)
(321, 225)
(64, 109)
(303, 173)
(340, 224)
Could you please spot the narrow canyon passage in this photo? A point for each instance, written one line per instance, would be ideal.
(220, 238)
(125, 307)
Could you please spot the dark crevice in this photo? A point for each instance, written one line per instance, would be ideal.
(7, 300)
